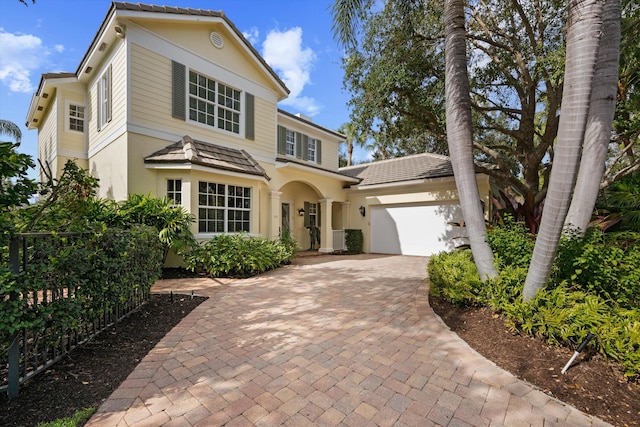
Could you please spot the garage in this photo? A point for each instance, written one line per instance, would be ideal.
(414, 229)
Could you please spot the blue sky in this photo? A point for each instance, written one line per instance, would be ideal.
(294, 37)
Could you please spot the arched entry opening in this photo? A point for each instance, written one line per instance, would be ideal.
(302, 210)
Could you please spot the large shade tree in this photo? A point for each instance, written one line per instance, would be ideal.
(458, 117)
(516, 67)
(528, 137)
(584, 30)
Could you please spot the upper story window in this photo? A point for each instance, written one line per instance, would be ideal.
(312, 149)
(104, 98)
(75, 118)
(290, 143)
(222, 111)
(174, 191)
(299, 145)
(228, 108)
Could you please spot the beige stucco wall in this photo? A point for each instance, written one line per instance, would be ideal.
(109, 165)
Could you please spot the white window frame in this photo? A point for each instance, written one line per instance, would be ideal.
(174, 191)
(69, 116)
(312, 153)
(219, 214)
(313, 214)
(214, 104)
(105, 94)
(290, 143)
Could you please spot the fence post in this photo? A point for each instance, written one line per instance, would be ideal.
(14, 346)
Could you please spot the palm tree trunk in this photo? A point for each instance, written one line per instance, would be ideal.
(600, 121)
(583, 36)
(459, 135)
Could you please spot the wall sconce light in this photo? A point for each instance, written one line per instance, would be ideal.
(120, 29)
(301, 212)
(362, 210)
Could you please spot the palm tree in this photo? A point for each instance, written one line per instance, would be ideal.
(600, 121)
(353, 137)
(583, 37)
(9, 128)
(460, 135)
(346, 14)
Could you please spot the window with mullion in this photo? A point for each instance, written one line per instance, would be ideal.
(290, 143)
(228, 108)
(223, 208)
(174, 191)
(202, 98)
(76, 118)
(311, 149)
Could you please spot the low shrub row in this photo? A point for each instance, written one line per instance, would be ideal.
(594, 288)
(239, 255)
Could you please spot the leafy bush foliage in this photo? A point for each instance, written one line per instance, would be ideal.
(595, 287)
(101, 271)
(239, 255)
(353, 240)
(454, 276)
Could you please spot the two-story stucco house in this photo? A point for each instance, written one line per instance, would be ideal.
(177, 103)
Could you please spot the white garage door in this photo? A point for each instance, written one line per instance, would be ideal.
(414, 230)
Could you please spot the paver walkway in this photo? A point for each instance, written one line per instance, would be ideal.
(326, 341)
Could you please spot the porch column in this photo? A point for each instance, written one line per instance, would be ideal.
(274, 228)
(346, 223)
(326, 228)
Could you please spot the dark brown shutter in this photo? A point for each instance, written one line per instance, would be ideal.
(305, 147)
(306, 214)
(282, 140)
(179, 95)
(249, 111)
(298, 145)
(318, 151)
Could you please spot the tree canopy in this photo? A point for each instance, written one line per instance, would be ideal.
(516, 56)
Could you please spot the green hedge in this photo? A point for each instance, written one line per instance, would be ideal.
(98, 273)
(594, 287)
(353, 240)
(239, 255)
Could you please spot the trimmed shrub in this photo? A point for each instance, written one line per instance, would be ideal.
(238, 255)
(353, 240)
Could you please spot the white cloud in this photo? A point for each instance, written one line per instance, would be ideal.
(253, 35)
(284, 52)
(58, 48)
(20, 55)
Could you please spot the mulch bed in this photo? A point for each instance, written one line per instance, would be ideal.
(592, 384)
(86, 377)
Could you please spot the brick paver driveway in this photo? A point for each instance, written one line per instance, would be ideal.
(329, 340)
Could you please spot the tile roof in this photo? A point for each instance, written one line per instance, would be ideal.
(410, 168)
(206, 154)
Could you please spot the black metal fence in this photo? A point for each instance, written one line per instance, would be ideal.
(48, 293)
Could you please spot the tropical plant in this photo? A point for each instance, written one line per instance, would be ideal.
(618, 207)
(600, 121)
(353, 137)
(172, 222)
(238, 255)
(583, 42)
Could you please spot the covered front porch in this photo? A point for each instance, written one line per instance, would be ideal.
(316, 222)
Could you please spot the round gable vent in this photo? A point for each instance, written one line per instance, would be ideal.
(216, 40)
